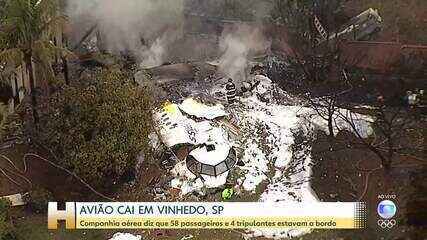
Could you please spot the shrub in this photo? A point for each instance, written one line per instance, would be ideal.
(38, 200)
(98, 126)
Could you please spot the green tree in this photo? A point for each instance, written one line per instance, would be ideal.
(97, 127)
(28, 26)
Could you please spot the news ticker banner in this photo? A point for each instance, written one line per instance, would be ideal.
(208, 215)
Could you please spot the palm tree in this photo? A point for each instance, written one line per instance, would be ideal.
(26, 34)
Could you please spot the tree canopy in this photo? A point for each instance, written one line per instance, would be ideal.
(97, 127)
(28, 28)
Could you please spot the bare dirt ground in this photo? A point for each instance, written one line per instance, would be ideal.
(336, 177)
(41, 174)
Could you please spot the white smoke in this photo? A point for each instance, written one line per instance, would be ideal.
(153, 56)
(144, 27)
(237, 44)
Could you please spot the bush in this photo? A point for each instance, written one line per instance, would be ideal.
(98, 126)
(39, 199)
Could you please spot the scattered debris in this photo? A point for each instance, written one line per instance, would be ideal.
(214, 162)
(203, 111)
(16, 199)
(159, 194)
(415, 98)
(165, 74)
(360, 27)
(187, 237)
(125, 236)
(195, 136)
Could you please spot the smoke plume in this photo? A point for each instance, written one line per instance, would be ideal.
(143, 27)
(237, 44)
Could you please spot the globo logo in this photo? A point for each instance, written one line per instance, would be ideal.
(386, 209)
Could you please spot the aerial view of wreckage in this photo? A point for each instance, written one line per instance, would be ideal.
(196, 101)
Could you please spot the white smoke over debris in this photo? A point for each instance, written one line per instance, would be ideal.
(237, 44)
(143, 27)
